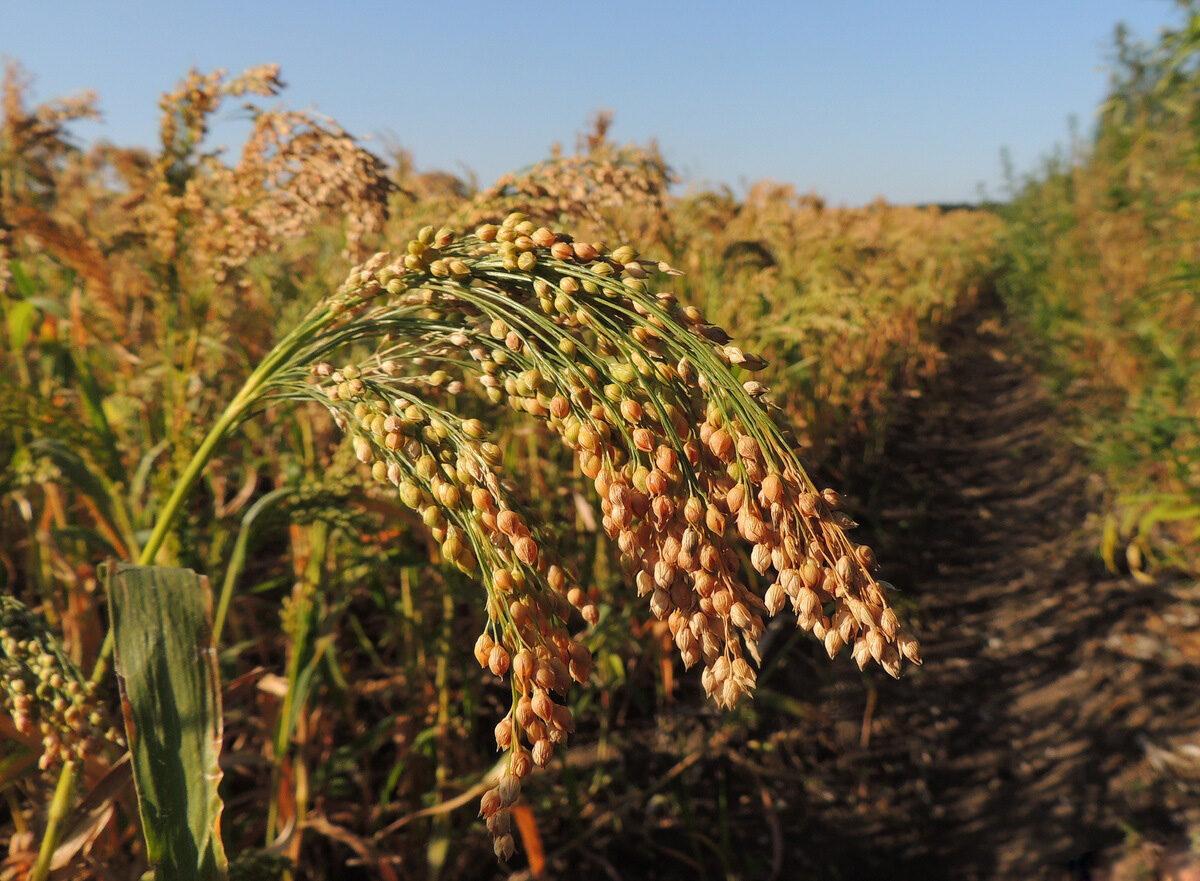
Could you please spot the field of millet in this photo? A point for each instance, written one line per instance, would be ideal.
(359, 522)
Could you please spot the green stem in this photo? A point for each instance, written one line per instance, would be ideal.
(237, 559)
(171, 508)
(305, 599)
(59, 807)
(165, 521)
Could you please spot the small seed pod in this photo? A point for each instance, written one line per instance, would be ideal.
(543, 237)
(504, 847)
(740, 615)
(875, 642)
(483, 649)
(482, 499)
(546, 676)
(889, 624)
(760, 558)
(363, 450)
(509, 789)
(542, 706)
(490, 803)
(861, 654)
(750, 526)
(503, 581)
(771, 492)
(747, 447)
(503, 733)
(498, 660)
(660, 603)
(499, 823)
(580, 670)
(721, 445)
(510, 523)
(811, 574)
(666, 460)
(735, 498)
(909, 647)
(890, 661)
(775, 598)
(523, 712)
(624, 254)
(585, 252)
(845, 625)
(523, 666)
(808, 603)
(866, 557)
(527, 550)
(520, 765)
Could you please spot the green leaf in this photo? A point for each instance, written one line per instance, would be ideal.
(171, 700)
(22, 316)
(21, 280)
(87, 478)
(92, 398)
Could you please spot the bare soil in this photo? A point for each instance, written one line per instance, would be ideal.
(1055, 725)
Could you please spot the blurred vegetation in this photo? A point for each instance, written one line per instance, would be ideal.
(1101, 262)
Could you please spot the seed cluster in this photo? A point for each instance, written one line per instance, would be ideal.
(35, 147)
(38, 134)
(44, 692)
(604, 185)
(296, 169)
(683, 451)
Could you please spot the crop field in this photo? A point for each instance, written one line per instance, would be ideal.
(364, 522)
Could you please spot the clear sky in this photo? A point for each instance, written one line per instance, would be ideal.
(909, 99)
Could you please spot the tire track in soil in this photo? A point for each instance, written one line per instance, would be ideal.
(1054, 696)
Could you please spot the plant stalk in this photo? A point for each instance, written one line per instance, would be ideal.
(165, 521)
(60, 806)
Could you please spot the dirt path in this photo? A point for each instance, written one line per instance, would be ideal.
(1055, 724)
(1056, 705)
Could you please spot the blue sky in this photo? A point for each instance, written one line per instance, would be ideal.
(909, 99)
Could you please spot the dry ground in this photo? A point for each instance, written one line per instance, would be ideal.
(1054, 731)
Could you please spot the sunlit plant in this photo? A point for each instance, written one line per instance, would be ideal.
(685, 455)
